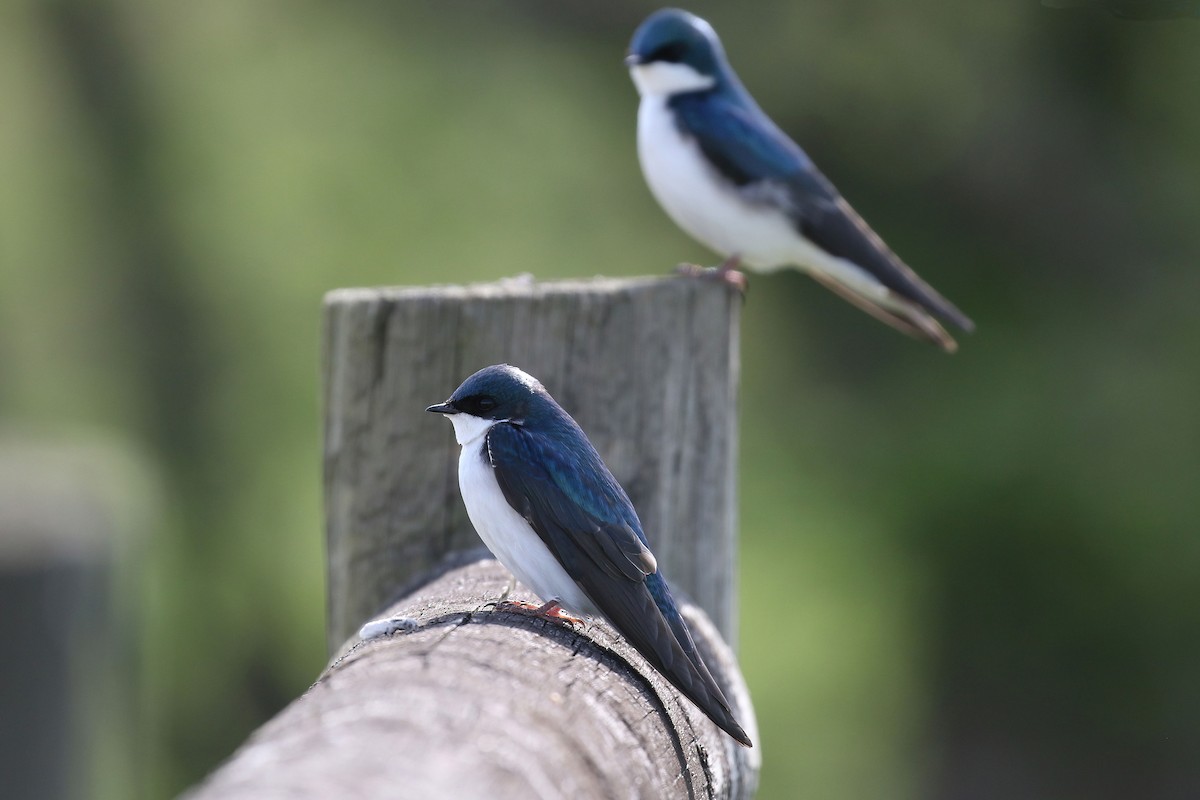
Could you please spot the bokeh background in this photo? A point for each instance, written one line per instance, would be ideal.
(974, 576)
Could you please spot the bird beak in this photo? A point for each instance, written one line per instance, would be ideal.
(443, 408)
(632, 60)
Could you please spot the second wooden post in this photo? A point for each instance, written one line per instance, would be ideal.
(648, 368)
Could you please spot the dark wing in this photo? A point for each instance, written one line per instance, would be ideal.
(586, 520)
(752, 152)
(591, 522)
(741, 141)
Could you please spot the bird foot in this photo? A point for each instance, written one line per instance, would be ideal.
(550, 610)
(726, 272)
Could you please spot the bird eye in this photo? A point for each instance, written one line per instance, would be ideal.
(477, 405)
(672, 52)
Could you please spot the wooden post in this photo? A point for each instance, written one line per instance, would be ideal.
(648, 367)
(456, 698)
(65, 699)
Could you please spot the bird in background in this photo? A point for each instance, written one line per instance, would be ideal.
(551, 512)
(735, 182)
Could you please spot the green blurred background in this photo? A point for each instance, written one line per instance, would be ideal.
(962, 577)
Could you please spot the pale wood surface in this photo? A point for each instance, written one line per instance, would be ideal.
(478, 703)
(648, 367)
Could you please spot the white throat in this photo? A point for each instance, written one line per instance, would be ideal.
(663, 79)
(468, 428)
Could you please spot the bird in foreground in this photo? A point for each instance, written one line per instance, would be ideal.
(727, 175)
(551, 512)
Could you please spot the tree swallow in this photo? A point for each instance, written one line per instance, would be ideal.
(727, 175)
(551, 512)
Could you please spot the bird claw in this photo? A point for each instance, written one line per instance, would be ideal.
(726, 272)
(550, 611)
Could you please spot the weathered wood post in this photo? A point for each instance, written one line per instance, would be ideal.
(647, 367)
(463, 700)
(65, 689)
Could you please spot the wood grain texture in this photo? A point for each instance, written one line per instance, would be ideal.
(648, 367)
(478, 703)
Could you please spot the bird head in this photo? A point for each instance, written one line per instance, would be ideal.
(499, 393)
(673, 52)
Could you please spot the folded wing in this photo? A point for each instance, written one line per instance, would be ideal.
(587, 521)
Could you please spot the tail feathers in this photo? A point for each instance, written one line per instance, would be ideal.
(634, 609)
(844, 235)
(694, 665)
(898, 312)
(683, 667)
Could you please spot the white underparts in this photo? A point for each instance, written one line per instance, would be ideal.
(505, 532)
(713, 211)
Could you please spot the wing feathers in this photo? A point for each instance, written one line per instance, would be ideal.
(586, 520)
(750, 151)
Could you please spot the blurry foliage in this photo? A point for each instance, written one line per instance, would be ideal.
(968, 576)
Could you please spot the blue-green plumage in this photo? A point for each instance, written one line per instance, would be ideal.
(730, 131)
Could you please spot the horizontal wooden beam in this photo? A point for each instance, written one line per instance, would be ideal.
(463, 701)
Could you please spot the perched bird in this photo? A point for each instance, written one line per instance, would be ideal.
(551, 512)
(727, 175)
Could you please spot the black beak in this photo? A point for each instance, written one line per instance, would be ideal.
(632, 60)
(443, 408)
